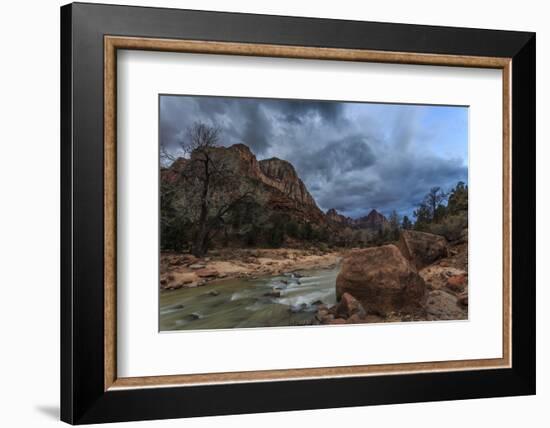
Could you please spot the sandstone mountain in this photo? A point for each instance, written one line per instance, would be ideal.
(173, 173)
(335, 217)
(373, 221)
(280, 197)
(281, 175)
(277, 174)
(274, 180)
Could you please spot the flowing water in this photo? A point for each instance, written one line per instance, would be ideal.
(244, 303)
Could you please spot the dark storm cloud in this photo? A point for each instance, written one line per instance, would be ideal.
(242, 120)
(258, 129)
(297, 111)
(346, 154)
(351, 156)
(398, 184)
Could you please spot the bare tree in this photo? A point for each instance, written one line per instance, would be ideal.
(211, 186)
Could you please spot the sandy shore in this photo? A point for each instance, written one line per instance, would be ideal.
(185, 270)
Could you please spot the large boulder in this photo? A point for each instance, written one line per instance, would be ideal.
(177, 280)
(421, 248)
(382, 280)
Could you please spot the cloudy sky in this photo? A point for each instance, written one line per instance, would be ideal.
(352, 156)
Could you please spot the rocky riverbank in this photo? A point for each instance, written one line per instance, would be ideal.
(186, 271)
(421, 278)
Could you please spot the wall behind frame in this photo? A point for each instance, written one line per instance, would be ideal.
(29, 226)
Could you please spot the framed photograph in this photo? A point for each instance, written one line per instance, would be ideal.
(266, 213)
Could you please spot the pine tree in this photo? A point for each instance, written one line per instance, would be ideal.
(394, 225)
(458, 198)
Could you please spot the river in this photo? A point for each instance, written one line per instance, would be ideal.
(246, 303)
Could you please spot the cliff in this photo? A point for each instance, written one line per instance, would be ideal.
(275, 180)
(280, 195)
(281, 175)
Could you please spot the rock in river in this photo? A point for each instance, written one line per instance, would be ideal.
(349, 306)
(273, 293)
(382, 280)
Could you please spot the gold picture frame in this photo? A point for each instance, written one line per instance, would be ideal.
(114, 43)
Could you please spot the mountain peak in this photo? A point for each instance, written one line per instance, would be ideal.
(281, 174)
(373, 220)
(240, 147)
(335, 217)
(374, 213)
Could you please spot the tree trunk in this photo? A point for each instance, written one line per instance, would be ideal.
(200, 246)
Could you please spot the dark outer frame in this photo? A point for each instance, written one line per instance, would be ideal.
(83, 398)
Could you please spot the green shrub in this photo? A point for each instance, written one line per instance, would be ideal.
(451, 226)
(251, 235)
(276, 236)
(175, 234)
(323, 247)
(293, 229)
